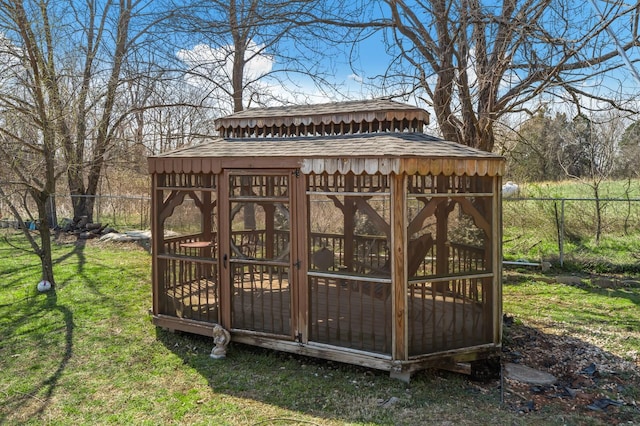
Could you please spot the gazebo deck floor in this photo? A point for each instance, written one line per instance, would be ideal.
(356, 315)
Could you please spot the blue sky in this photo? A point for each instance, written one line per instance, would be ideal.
(373, 61)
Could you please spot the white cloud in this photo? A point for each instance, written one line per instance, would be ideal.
(211, 68)
(218, 62)
(356, 78)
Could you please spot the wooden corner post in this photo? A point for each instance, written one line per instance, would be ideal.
(497, 259)
(156, 242)
(399, 266)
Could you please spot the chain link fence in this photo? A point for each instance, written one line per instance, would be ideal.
(121, 212)
(555, 228)
(549, 229)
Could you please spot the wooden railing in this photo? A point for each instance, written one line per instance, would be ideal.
(466, 258)
(348, 307)
(371, 255)
(189, 278)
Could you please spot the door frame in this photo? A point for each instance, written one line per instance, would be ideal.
(298, 263)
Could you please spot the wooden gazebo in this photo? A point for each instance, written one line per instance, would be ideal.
(339, 231)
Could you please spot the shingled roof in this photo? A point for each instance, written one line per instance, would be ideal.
(388, 138)
(378, 152)
(368, 116)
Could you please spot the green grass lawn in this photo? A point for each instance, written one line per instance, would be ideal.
(606, 317)
(89, 354)
(581, 189)
(531, 226)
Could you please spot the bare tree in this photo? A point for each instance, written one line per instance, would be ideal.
(73, 57)
(27, 181)
(178, 116)
(627, 164)
(61, 72)
(476, 61)
(246, 48)
(589, 155)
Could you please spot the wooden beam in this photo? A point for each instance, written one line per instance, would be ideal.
(157, 242)
(182, 324)
(316, 350)
(269, 229)
(496, 267)
(349, 224)
(300, 256)
(207, 211)
(400, 339)
(442, 227)
(442, 251)
(478, 218)
(224, 250)
(377, 220)
(166, 208)
(427, 211)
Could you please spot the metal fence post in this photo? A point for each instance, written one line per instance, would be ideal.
(561, 242)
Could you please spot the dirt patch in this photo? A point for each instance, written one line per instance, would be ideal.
(590, 380)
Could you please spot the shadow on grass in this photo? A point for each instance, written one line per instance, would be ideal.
(78, 252)
(12, 276)
(37, 334)
(306, 386)
(612, 287)
(336, 392)
(77, 257)
(347, 393)
(594, 284)
(38, 397)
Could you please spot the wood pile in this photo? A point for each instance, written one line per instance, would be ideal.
(85, 230)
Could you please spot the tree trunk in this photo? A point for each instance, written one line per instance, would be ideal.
(596, 194)
(44, 252)
(83, 206)
(51, 215)
(239, 44)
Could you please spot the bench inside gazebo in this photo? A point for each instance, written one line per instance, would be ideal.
(339, 231)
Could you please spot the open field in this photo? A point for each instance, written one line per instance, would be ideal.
(88, 354)
(543, 211)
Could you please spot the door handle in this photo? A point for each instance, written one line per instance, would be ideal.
(224, 261)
